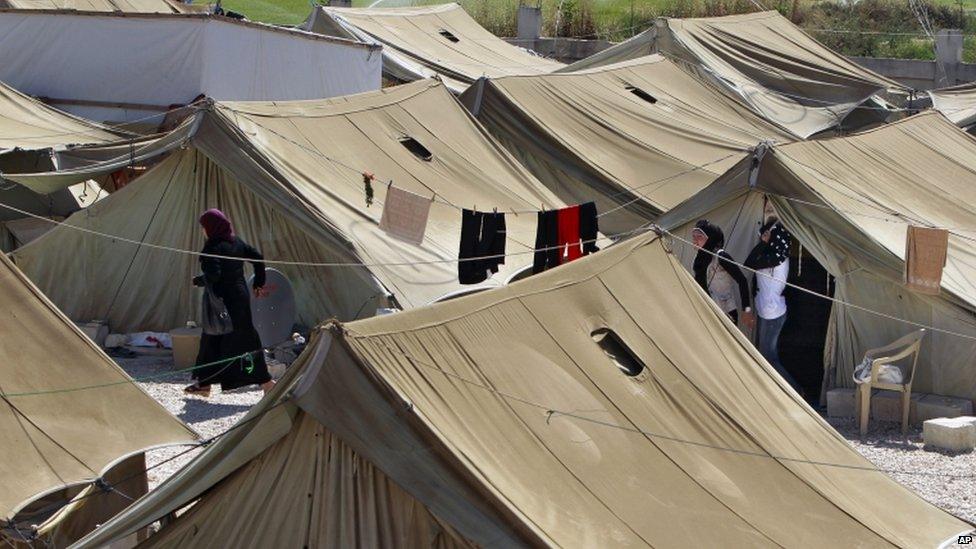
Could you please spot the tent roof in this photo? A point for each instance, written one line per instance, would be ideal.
(321, 148)
(416, 46)
(865, 188)
(307, 158)
(767, 62)
(957, 103)
(57, 439)
(506, 415)
(775, 67)
(127, 6)
(27, 123)
(921, 170)
(594, 127)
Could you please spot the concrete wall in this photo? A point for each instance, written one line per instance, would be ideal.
(566, 50)
(920, 75)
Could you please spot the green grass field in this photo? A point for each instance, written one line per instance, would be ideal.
(497, 15)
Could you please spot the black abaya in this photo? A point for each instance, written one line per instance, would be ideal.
(226, 277)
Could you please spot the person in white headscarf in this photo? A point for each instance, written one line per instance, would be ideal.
(770, 258)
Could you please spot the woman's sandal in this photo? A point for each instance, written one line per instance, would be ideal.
(197, 389)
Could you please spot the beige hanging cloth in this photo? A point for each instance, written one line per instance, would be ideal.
(925, 257)
(405, 215)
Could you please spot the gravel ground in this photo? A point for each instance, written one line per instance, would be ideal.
(886, 448)
(883, 445)
(208, 416)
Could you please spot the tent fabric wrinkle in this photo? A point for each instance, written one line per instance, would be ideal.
(58, 439)
(764, 61)
(435, 401)
(425, 41)
(28, 124)
(290, 175)
(849, 202)
(957, 103)
(638, 136)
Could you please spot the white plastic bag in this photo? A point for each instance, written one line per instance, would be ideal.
(888, 373)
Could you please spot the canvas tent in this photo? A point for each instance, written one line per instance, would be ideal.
(28, 124)
(289, 176)
(29, 132)
(505, 419)
(128, 6)
(89, 63)
(849, 201)
(426, 41)
(957, 103)
(638, 137)
(765, 61)
(54, 440)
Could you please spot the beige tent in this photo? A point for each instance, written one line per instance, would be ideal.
(61, 442)
(849, 201)
(426, 41)
(957, 103)
(505, 419)
(26, 123)
(765, 61)
(30, 132)
(289, 176)
(638, 137)
(129, 6)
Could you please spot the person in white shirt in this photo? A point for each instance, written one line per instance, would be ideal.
(770, 259)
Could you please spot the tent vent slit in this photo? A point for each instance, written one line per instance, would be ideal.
(417, 149)
(449, 35)
(618, 352)
(642, 94)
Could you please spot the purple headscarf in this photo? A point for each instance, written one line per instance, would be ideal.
(216, 225)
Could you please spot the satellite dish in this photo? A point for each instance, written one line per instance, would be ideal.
(273, 311)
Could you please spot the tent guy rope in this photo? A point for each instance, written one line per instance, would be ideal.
(552, 412)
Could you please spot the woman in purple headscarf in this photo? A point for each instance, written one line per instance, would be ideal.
(226, 278)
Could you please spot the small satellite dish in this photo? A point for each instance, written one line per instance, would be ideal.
(273, 311)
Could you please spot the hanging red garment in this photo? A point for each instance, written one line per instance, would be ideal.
(569, 234)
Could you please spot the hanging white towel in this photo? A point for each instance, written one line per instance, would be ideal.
(405, 215)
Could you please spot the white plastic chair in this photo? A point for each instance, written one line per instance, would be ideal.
(904, 347)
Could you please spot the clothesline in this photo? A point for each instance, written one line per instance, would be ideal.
(550, 411)
(445, 201)
(900, 218)
(832, 299)
(553, 412)
(612, 238)
(130, 380)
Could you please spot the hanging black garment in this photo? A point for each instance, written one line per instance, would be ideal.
(492, 245)
(226, 278)
(483, 237)
(471, 271)
(589, 227)
(546, 242)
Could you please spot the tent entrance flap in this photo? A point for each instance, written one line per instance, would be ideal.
(803, 340)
